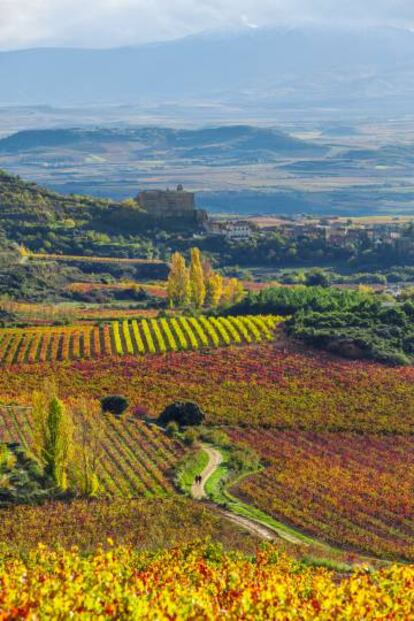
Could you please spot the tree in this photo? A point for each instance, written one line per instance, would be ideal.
(115, 404)
(233, 291)
(53, 443)
(178, 281)
(317, 278)
(213, 284)
(184, 413)
(88, 438)
(214, 290)
(197, 285)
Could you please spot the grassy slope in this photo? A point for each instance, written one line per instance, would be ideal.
(193, 464)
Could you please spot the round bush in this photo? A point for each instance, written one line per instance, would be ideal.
(184, 413)
(115, 404)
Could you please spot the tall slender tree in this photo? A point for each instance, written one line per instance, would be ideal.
(214, 289)
(59, 443)
(197, 285)
(178, 281)
(53, 437)
(89, 436)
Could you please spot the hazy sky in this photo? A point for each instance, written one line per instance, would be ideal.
(106, 23)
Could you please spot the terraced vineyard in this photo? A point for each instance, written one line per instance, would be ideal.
(136, 459)
(131, 337)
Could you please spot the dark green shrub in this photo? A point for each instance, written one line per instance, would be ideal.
(317, 278)
(184, 413)
(115, 404)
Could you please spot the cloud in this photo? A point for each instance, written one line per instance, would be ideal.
(246, 22)
(104, 23)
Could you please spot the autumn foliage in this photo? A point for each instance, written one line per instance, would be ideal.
(130, 336)
(257, 386)
(195, 582)
(352, 490)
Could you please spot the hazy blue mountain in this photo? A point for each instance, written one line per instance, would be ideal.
(235, 143)
(303, 66)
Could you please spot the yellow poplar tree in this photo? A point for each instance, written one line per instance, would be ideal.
(53, 442)
(214, 290)
(233, 291)
(197, 285)
(178, 286)
(89, 435)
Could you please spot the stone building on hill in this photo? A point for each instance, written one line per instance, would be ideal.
(172, 206)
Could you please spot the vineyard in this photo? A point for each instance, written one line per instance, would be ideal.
(158, 290)
(93, 259)
(131, 337)
(266, 386)
(136, 459)
(49, 314)
(347, 488)
(143, 522)
(195, 582)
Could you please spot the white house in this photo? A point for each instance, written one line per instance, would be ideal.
(238, 230)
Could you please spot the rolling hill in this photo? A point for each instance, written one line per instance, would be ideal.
(234, 143)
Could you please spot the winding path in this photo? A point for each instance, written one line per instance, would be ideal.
(251, 524)
(198, 492)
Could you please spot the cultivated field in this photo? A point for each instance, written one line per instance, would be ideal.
(146, 336)
(261, 386)
(50, 314)
(136, 460)
(144, 522)
(123, 583)
(349, 489)
(69, 258)
(158, 290)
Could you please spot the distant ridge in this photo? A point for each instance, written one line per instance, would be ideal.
(306, 66)
(234, 141)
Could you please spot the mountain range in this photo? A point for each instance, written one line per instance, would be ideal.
(348, 68)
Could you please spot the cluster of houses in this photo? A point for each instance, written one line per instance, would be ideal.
(334, 233)
(342, 234)
(179, 204)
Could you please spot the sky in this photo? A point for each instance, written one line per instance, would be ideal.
(112, 23)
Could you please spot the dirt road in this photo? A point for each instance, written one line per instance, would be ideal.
(254, 526)
(214, 460)
(198, 492)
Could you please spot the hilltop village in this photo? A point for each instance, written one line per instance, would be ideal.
(180, 206)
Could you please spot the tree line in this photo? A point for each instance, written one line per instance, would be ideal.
(198, 285)
(351, 323)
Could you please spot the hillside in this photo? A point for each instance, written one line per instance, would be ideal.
(8, 251)
(235, 142)
(234, 168)
(34, 216)
(22, 200)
